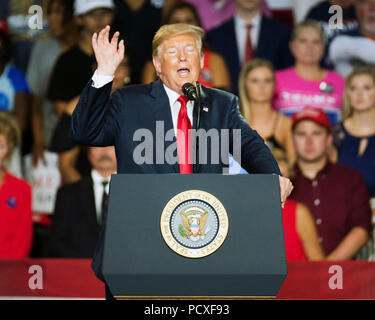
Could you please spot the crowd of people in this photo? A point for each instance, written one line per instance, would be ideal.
(307, 88)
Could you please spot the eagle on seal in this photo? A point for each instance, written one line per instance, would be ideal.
(194, 222)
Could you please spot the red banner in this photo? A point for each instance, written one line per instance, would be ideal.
(73, 278)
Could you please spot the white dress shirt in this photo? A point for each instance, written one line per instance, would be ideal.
(101, 80)
(98, 180)
(241, 32)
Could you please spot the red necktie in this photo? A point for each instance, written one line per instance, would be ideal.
(183, 137)
(249, 51)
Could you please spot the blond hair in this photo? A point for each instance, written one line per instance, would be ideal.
(347, 108)
(308, 23)
(243, 94)
(171, 30)
(10, 129)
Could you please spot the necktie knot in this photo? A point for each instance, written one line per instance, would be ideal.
(183, 100)
(249, 26)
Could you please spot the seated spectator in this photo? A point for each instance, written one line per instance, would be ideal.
(214, 72)
(356, 47)
(355, 135)
(64, 32)
(71, 73)
(321, 13)
(306, 83)
(81, 208)
(15, 198)
(300, 234)
(250, 34)
(13, 97)
(256, 88)
(335, 194)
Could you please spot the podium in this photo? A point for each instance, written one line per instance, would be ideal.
(226, 238)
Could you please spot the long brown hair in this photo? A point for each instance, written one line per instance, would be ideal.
(243, 94)
(347, 108)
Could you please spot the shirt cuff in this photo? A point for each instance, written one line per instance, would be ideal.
(99, 81)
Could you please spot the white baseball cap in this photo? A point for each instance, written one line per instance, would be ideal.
(84, 6)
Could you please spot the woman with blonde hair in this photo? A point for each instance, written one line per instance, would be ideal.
(256, 89)
(355, 136)
(307, 83)
(15, 197)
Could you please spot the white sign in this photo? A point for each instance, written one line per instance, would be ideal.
(44, 180)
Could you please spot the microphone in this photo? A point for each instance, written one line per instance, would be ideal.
(189, 91)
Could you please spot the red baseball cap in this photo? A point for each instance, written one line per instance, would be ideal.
(314, 114)
(4, 27)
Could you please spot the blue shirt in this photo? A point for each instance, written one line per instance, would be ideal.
(12, 81)
(348, 155)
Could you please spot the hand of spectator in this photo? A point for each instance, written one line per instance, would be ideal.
(108, 54)
(38, 153)
(286, 188)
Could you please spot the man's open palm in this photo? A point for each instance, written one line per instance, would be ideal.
(108, 54)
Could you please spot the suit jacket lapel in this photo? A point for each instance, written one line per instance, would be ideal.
(162, 112)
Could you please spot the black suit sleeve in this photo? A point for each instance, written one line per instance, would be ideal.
(255, 155)
(96, 118)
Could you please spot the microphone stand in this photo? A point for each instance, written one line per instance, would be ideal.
(199, 106)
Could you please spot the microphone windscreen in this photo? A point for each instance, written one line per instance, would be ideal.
(189, 91)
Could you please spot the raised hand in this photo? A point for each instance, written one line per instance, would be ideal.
(108, 54)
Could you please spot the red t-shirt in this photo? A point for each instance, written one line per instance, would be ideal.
(293, 244)
(15, 218)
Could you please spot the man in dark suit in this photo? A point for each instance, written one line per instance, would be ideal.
(80, 208)
(132, 114)
(250, 34)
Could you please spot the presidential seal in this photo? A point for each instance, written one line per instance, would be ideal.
(194, 224)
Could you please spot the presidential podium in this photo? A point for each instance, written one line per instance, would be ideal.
(202, 236)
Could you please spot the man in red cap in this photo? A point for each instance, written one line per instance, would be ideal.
(335, 194)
